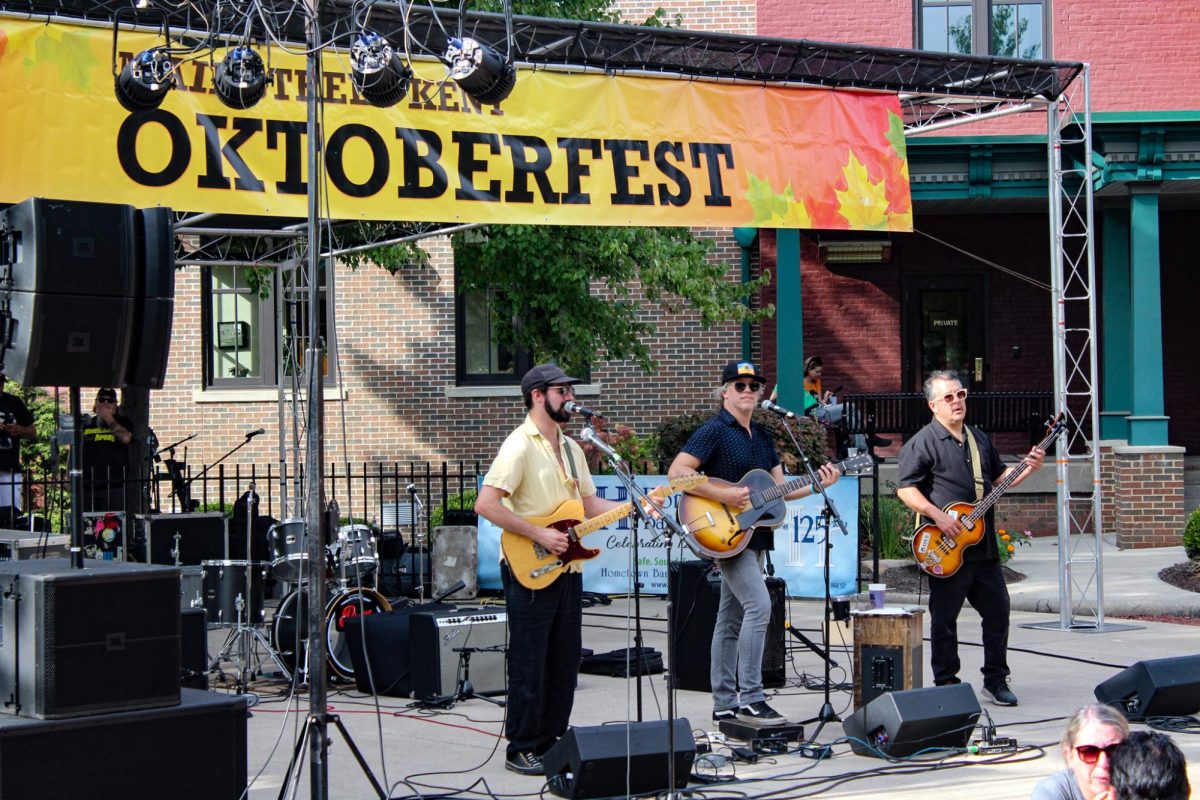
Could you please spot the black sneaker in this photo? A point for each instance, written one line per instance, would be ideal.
(760, 713)
(1000, 694)
(525, 764)
(724, 715)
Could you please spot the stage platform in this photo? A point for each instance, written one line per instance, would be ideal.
(461, 749)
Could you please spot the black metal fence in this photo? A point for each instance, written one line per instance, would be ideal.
(390, 496)
(907, 412)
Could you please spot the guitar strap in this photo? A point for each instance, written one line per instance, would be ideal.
(976, 465)
(571, 465)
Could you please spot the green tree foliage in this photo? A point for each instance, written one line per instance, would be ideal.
(574, 293)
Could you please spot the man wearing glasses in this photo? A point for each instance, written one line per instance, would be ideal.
(728, 446)
(106, 439)
(936, 469)
(538, 469)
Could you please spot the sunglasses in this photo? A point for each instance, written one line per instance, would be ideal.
(563, 390)
(107, 402)
(747, 387)
(950, 397)
(1090, 753)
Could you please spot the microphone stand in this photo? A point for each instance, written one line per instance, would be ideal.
(173, 472)
(188, 483)
(826, 714)
(638, 497)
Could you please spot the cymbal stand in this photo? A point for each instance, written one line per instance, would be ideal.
(246, 632)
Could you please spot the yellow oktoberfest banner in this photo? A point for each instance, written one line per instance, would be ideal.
(563, 148)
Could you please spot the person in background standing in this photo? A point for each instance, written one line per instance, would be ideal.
(106, 439)
(16, 423)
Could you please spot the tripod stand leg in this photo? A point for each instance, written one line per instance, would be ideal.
(309, 724)
(358, 756)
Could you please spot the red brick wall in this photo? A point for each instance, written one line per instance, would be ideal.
(731, 16)
(1149, 504)
(884, 23)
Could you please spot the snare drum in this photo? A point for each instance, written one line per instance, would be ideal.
(225, 588)
(356, 555)
(289, 629)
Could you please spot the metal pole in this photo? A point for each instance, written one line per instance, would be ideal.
(314, 505)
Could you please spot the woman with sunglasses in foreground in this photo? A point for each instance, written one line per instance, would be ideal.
(1091, 737)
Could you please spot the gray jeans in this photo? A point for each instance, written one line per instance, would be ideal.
(740, 632)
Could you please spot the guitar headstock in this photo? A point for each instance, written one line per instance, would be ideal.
(1054, 426)
(862, 461)
(679, 484)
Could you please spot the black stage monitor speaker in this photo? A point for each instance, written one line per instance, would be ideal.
(901, 724)
(193, 751)
(696, 592)
(202, 537)
(1162, 687)
(435, 645)
(619, 760)
(87, 641)
(72, 270)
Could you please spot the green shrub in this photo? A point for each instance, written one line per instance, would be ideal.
(455, 502)
(895, 525)
(1191, 536)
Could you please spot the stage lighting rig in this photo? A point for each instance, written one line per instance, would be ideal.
(145, 79)
(241, 78)
(481, 71)
(378, 73)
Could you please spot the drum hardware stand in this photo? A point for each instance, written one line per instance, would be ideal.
(416, 548)
(465, 689)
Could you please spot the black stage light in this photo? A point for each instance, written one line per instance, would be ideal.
(480, 70)
(379, 75)
(241, 78)
(145, 79)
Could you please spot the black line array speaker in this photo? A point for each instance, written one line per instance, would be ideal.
(92, 293)
(1161, 687)
(192, 751)
(87, 641)
(435, 644)
(695, 589)
(900, 724)
(619, 760)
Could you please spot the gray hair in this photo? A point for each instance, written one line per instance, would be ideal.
(939, 375)
(1094, 712)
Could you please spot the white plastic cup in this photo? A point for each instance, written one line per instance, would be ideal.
(878, 592)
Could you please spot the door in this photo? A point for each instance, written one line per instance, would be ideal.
(945, 328)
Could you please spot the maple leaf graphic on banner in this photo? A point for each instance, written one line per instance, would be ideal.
(864, 203)
(775, 210)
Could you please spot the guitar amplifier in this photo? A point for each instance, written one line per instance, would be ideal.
(23, 545)
(436, 641)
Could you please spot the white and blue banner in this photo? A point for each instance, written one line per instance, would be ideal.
(798, 557)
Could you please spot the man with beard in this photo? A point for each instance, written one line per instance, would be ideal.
(537, 469)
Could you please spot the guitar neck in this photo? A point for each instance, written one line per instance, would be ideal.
(1003, 486)
(783, 489)
(607, 518)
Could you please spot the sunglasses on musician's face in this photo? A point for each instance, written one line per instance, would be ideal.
(739, 386)
(1090, 753)
(562, 390)
(950, 397)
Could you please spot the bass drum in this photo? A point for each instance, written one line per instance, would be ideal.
(289, 632)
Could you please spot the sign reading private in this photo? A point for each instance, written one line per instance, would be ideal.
(563, 148)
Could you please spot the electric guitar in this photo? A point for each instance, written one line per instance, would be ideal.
(940, 555)
(535, 567)
(719, 531)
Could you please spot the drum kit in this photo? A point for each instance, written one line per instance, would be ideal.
(234, 595)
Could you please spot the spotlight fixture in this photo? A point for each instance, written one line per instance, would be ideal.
(379, 75)
(480, 70)
(241, 79)
(145, 79)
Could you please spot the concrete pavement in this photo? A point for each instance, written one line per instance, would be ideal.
(461, 750)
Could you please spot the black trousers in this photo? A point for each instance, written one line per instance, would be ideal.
(980, 583)
(545, 637)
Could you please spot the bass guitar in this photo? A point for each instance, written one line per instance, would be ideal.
(718, 531)
(535, 567)
(940, 555)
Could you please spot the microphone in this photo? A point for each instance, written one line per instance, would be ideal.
(767, 405)
(578, 408)
(589, 435)
(252, 434)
